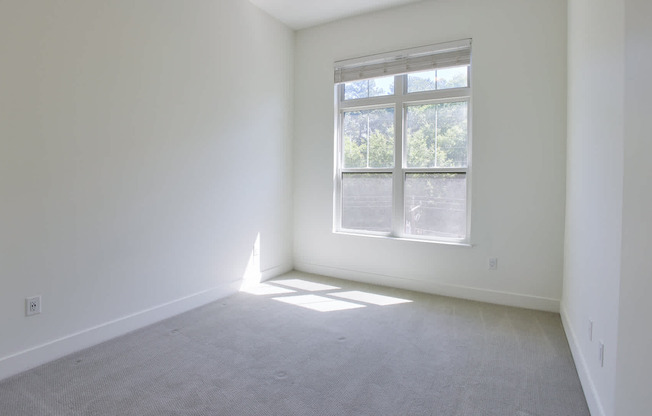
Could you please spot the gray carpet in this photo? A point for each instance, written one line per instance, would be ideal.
(318, 351)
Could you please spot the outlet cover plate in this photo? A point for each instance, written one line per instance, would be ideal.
(32, 305)
(492, 263)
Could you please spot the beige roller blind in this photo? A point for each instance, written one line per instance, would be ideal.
(408, 60)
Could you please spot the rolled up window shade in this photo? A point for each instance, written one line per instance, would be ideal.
(423, 58)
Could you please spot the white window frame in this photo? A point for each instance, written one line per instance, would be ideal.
(400, 100)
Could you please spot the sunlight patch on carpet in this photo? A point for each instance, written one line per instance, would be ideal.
(372, 298)
(319, 303)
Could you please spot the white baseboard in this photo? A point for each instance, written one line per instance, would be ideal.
(275, 271)
(482, 295)
(591, 394)
(41, 354)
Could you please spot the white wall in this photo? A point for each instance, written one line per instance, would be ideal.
(143, 146)
(634, 337)
(594, 192)
(519, 128)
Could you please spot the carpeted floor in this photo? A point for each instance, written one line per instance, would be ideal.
(322, 347)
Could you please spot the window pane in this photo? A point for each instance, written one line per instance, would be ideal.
(422, 81)
(435, 204)
(455, 77)
(367, 201)
(356, 89)
(375, 87)
(368, 138)
(436, 135)
(381, 86)
(440, 79)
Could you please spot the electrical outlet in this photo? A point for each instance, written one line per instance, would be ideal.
(32, 306)
(492, 264)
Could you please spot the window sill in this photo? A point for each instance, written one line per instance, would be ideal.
(413, 240)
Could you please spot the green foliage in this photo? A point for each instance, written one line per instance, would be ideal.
(420, 149)
(364, 89)
(437, 135)
(355, 154)
(369, 138)
(417, 83)
(381, 151)
(445, 78)
(356, 89)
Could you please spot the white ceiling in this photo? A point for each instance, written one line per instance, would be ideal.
(299, 14)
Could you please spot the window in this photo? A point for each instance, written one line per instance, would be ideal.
(403, 146)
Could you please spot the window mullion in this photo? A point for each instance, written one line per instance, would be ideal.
(397, 196)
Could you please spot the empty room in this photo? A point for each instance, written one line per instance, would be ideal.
(325, 207)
